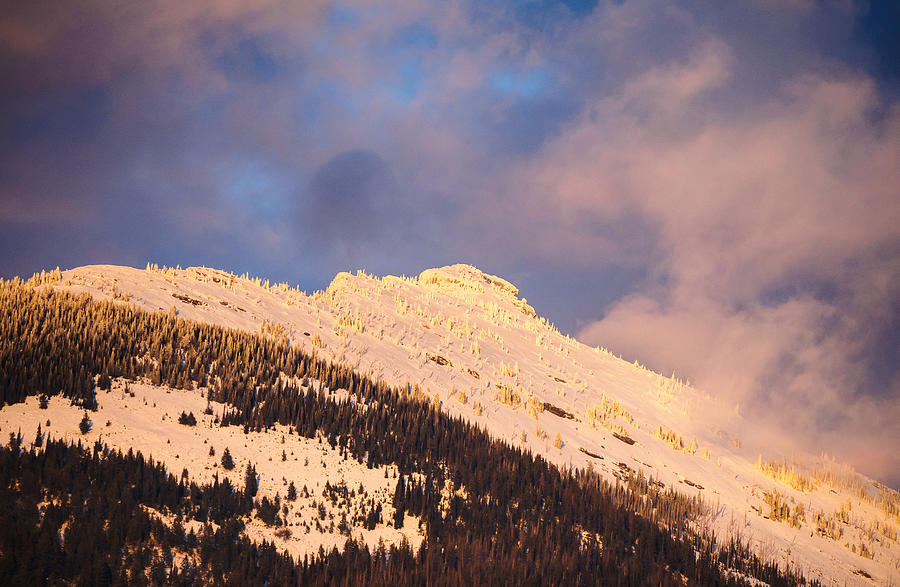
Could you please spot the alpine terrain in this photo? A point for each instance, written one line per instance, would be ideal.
(168, 425)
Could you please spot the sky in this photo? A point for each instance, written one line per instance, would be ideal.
(712, 188)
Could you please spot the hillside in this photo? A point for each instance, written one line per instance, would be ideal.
(465, 342)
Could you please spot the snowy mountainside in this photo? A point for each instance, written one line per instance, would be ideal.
(468, 341)
(144, 418)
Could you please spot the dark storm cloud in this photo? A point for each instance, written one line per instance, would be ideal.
(704, 186)
(358, 215)
(77, 115)
(350, 201)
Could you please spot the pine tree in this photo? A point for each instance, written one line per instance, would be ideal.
(399, 502)
(85, 425)
(39, 438)
(292, 492)
(251, 486)
(227, 461)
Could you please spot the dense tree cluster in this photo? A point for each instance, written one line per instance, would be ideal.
(73, 515)
(187, 419)
(522, 520)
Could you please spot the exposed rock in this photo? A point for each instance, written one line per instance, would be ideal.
(557, 411)
(187, 299)
(440, 360)
(590, 454)
(623, 438)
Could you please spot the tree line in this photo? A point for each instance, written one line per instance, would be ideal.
(522, 520)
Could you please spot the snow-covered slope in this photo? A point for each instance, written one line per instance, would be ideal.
(144, 417)
(468, 341)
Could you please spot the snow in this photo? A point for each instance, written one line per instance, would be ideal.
(463, 336)
(148, 422)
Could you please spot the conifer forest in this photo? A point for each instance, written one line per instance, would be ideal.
(76, 514)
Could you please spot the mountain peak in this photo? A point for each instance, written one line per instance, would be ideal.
(467, 276)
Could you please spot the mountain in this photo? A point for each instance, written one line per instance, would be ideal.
(453, 346)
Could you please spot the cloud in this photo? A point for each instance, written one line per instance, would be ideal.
(709, 189)
(359, 216)
(776, 269)
(348, 198)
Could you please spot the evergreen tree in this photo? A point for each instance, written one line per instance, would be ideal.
(85, 425)
(251, 486)
(227, 461)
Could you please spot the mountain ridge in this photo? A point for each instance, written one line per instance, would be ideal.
(490, 359)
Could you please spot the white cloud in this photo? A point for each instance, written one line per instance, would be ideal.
(769, 283)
